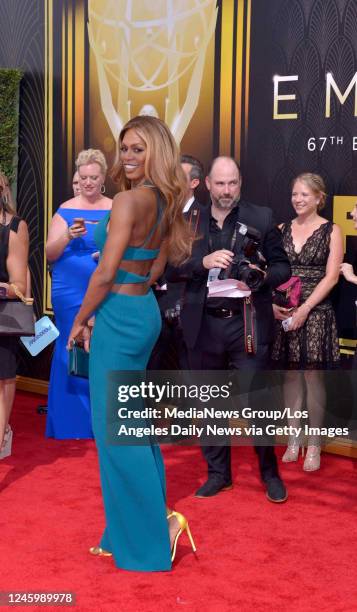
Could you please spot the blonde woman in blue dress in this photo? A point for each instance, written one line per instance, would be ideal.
(70, 249)
(144, 228)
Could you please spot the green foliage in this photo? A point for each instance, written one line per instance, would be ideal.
(9, 119)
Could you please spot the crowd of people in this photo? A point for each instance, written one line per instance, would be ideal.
(130, 283)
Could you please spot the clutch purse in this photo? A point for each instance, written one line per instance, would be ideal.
(17, 316)
(78, 361)
(288, 294)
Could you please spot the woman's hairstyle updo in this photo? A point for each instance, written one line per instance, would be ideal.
(163, 169)
(316, 183)
(92, 156)
(6, 201)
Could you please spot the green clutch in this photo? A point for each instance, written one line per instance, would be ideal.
(78, 362)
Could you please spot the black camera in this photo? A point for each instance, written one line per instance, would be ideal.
(245, 246)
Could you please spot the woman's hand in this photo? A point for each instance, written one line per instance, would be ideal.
(218, 259)
(281, 313)
(299, 317)
(80, 333)
(346, 270)
(76, 230)
(60, 235)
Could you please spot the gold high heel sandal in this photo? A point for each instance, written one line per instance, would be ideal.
(5, 450)
(97, 551)
(183, 523)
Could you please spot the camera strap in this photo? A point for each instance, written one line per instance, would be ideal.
(250, 335)
(249, 313)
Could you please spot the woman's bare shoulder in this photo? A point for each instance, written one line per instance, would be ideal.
(72, 203)
(17, 224)
(139, 198)
(20, 235)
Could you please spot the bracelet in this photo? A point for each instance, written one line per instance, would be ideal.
(308, 306)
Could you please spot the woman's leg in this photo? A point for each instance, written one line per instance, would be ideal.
(7, 394)
(132, 476)
(293, 398)
(316, 402)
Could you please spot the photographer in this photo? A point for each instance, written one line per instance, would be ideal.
(169, 351)
(213, 327)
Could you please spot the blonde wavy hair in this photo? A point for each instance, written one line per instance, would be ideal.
(316, 183)
(6, 199)
(92, 156)
(162, 169)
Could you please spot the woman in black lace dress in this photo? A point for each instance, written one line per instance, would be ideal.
(315, 250)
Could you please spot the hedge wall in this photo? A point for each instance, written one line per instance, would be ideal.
(9, 120)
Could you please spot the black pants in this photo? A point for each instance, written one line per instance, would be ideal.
(169, 352)
(220, 346)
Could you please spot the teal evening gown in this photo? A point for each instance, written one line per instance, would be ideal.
(132, 477)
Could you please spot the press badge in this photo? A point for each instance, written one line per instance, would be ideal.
(213, 274)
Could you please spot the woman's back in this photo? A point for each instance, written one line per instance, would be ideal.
(147, 206)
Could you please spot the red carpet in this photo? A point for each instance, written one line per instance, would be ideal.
(252, 555)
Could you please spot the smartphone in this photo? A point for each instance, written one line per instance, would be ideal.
(286, 324)
(79, 221)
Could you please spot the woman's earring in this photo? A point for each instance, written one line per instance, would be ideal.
(102, 189)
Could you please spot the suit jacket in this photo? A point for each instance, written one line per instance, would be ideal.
(195, 275)
(168, 298)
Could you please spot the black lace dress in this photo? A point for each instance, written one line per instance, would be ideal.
(8, 344)
(315, 344)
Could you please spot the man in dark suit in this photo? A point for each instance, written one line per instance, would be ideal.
(213, 327)
(169, 351)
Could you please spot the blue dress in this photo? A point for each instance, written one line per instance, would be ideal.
(68, 397)
(132, 477)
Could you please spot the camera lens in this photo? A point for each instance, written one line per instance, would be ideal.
(253, 278)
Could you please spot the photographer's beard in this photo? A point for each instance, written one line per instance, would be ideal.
(225, 203)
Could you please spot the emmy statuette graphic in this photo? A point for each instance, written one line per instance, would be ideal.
(150, 58)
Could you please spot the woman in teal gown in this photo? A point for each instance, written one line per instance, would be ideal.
(145, 227)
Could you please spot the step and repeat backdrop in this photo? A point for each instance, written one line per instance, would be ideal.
(273, 84)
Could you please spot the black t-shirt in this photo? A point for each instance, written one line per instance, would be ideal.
(222, 239)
